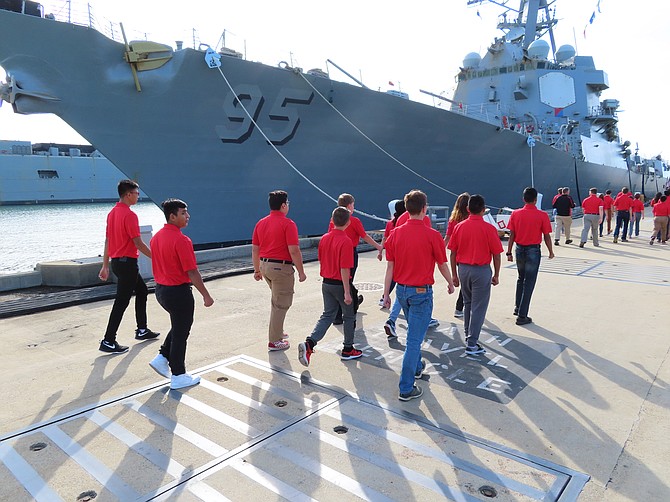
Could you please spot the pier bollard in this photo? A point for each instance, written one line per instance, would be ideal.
(143, 262)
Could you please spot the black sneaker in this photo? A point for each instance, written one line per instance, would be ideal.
(569, 241)
(419, 373)
(112, 348)
(413, 394)
(360, 299)
(516, 311)
(556, 243)
(145, 334)
(520, 321)
(474, 350)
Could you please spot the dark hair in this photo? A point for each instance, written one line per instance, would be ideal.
(566, 190)
(624, 190)
(399, 209)
(415, 201)
(638, 195)
(340, 216)
(345, 199)
(276, 198)
(608, 191)
(126, 186)
(529, 195)
(476, 204)
(593, 190)
(460, 211)
(658, 196)
(667, 192)
(664, 198)
(172, 206)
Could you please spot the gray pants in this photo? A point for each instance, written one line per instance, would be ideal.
(591, 221)
(476, 287)
(333, 299)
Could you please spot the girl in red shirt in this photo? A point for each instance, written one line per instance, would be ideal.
(459, 213)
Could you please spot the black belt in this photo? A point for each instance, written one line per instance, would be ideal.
(272, 260)
(591, 213)
(427, 286)
(124, 259)
(333, 282)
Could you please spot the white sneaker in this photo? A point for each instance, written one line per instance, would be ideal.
(434, 323)
(160, 365)
(458, 313)
(183, 380)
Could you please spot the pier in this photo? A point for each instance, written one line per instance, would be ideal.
(572, 407)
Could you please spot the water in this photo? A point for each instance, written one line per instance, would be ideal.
(33, 234)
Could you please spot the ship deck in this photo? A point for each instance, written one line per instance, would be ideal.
(572, 407)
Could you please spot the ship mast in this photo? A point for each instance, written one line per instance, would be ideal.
(533, 27)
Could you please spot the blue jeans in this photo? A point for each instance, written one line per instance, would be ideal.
(622, 219)
(636, 223)
(527, 264)
(417, 304)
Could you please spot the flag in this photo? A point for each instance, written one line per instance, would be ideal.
(479, 15)
(558, 112)
(593, 18)
(391, 83)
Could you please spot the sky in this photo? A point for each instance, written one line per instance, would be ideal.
(416, 45)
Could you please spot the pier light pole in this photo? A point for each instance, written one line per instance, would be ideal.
(531, 143)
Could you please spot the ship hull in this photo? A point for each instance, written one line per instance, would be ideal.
(185, 135)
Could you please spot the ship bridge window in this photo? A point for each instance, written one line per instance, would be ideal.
(47, 173)
(503, 70)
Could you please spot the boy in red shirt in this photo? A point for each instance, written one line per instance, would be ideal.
(412, 251)
(355, 231)
(638, 214)
(608, 202)
(593, 216)
(528, 226)
(473, 244)
(336, 257)
(624, 213)
(175, 272)
(123, 244)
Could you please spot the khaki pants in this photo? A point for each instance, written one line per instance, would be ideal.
(281, 279)
(660, 225)
(563, 222)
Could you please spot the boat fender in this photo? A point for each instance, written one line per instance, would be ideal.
(212, 58)
(505, 122)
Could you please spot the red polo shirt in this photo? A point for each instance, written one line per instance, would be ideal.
(661, 209)
(172, 256)
(122, 227)
(638, 206)
(591, 204)
(335, 253)
(475, 241)
(529, 224)
(414, 249)
(274, 234)
(608, 201)
(404, 218)
(623, 202)
(354, 231)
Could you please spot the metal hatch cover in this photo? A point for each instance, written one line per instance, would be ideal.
(251, 431)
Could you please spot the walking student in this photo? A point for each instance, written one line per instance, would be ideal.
(593, 216)
(411, 254)
(123, 245)
(175, 271)
(638, 214)
(336, 258)
(458, 214)
(528, 227)
(275, 251)
(563, 206)
(661, 210)
(608, 202)
(473, 245)
(390, 225)
(355, 231)
(624, 212)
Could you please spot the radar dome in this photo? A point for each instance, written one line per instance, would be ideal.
(564, 53)
(471, 60)
(539, 49)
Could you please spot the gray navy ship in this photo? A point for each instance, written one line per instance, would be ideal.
(221, 132)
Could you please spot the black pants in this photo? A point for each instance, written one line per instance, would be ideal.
(129, 281)
(178, 301)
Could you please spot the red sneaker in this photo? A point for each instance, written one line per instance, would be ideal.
(304, 353)
(280, 345)
(351, 354)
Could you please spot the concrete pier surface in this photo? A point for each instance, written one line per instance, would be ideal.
(574, 406)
